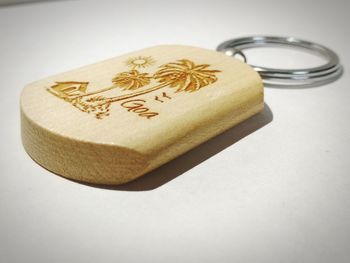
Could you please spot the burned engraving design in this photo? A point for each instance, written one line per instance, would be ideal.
(182, 76)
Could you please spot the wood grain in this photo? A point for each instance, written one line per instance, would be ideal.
(113, 121)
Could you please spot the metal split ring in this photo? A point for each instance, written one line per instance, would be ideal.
(305, 77)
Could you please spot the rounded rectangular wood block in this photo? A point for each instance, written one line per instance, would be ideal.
(113, 121)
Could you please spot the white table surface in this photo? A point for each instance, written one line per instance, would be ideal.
(274, 189)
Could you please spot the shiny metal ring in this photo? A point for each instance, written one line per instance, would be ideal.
(305, 77)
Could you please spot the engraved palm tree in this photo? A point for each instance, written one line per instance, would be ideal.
(183, 75)
(130, 80)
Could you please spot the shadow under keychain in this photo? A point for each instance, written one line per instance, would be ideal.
(113, 121)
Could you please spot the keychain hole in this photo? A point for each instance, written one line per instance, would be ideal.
(232, 52)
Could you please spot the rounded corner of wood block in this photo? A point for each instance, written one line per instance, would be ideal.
(81, 161)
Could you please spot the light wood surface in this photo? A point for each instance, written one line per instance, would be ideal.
(113, 121)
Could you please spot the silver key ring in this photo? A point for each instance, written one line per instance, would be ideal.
(305, 77)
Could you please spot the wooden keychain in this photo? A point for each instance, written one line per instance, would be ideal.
(113, 121)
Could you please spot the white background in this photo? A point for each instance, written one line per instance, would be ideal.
(274, 189)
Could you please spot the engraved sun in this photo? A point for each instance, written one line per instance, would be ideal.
(140, 62)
